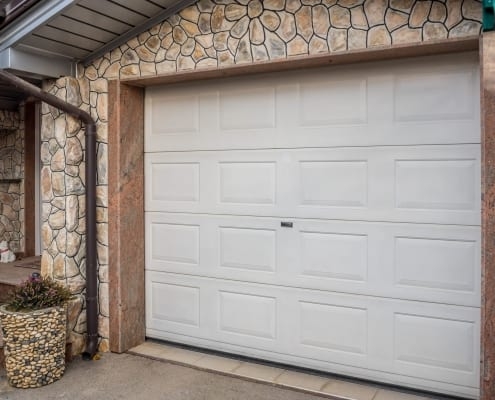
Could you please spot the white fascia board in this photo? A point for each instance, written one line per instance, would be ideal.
(36, 65)
(32, 19)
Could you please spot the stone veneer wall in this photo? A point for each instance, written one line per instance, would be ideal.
(208, 34)
(12, 167)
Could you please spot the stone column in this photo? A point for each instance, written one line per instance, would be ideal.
(63, 202)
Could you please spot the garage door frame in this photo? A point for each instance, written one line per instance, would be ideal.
(126, 181)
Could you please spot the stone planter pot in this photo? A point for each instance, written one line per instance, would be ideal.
(34, 345)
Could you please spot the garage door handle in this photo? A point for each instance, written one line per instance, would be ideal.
(285, 224)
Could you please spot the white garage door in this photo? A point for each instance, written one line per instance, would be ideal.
(324, 218)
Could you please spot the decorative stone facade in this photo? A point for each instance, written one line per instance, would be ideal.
(208, 34)
(219, 33)
(11, 179)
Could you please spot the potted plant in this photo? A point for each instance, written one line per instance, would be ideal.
(34, 331)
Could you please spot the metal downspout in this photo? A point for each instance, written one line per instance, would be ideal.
(90, 142)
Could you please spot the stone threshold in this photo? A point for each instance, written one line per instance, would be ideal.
(316, 384)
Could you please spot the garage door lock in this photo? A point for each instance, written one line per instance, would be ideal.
(286, 224)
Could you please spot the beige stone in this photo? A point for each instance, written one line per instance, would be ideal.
(103, 299)
(59, 267)
(71, 212)
(179, 35)
(102, 196)
(321, 20)
(173, 52)
(112, 71)
(395, 19)
(165, 67)
(190, 14)
(375, 11)
(102, 107)
(220, 41)
(275, 5)
(129, 57)
(303, 22)
(340, 17)
(356, 39)
(318, 45)
(165, 29)
(185, 63)
(287, 29)
(402, 5)
(240, 28)
(188, 47)
(358, 19)
(260, 53)
(61, 241)
(232, 44)
(434, 31)
(217, 18)
(292, 5)
(76, 284)
(406, 35)
(472, 9)
(311, 2)
(204, 23)
(129, 70)
(379, 36)
(275, 46)
(350, 3)
(190, 28)
(115, 55)
(243, 54)
(337, 39)
(73, 185)
(225, 57)
(73, 243)
(160, 55)
(270, 20)
(297, 46)
(57, 220)
(73, 151)
(60, 134)
(143, 37)
(58, 161)
(199, 53)
(147, 68)
(465, 28)
(103, 327)
(71, 268)
(234, 12)
(256, 32)
(255, 8)
(58, 183)
(438, 12)
(419, 14)
(153, 44)
(454, 15)
(205, 40)
(91, 72)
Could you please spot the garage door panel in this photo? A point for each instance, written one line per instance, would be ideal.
(382, 104)
(433, 341)
(423, 184)
(403, 261)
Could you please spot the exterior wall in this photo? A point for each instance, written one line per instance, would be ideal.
(208, 34)
(11, 179)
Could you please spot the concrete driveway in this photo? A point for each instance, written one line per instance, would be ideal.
(124, 376)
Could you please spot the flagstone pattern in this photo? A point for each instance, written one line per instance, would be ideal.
(208, 34)
(11, 179)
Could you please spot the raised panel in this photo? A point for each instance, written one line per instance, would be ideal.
(175, 303)
(436, 184)
(435, 263)
(247, 109)
(247, 182)
(252, 249)
(336, 256)
(333, 327)
(174, 114)
(175, 243)
(334, 183)
(174, 182)
(333, 102)
(434, 342)
(441, 95)
(247, 314)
